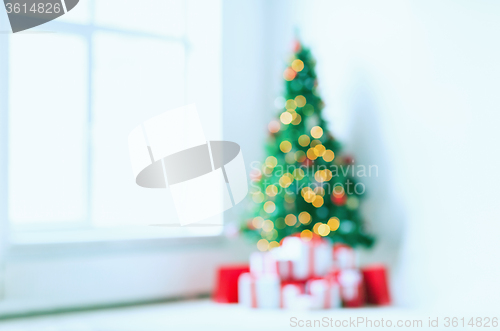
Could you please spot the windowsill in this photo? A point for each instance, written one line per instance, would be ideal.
(179, 315)
(109, 240)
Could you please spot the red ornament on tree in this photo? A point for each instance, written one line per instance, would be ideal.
(339, 200)
(348, 159)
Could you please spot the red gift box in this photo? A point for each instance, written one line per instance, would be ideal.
(226, 288)
(376, 285)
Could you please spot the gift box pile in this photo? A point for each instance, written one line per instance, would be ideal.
(311, 274)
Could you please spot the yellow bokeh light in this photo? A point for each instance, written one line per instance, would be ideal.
(319, 150)
(318, 201)
(327, 175)
(271, 161)
(257, 222)
(298, 174)
(290, 104)
(285, 146)
(290, 219)
(273, 244)
(271, 235)
(315, 143)
(305, 190)
(309, 196)
(297, 65)
(319, 191)
(323, 230)
(323, 175)
(269, 207)
(286, 117)
(311, 155)
(316, 226)
(258, 197)
(316, 132)
(304, 140)
(263, 245)
(328, 156)
(267, 170)
(306, 235)
(333, 223)
(297, 119)
(267, 225)
(285, 181)
(319, 176)
(300, 156)
(274, 126)
(304, 217)
(300, 100)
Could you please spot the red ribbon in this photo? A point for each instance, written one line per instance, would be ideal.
(315, 241)
(253, 292)
(328, 294)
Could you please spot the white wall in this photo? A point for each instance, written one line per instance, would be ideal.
(412, 86)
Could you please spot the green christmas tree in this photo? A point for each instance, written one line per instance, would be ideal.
(304, 186)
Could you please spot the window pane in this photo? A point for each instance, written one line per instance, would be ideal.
(204, 63)
(47, 128)
(80, 14)
(134, 80)
(165, 17)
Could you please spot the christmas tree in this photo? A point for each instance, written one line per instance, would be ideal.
(304, 186)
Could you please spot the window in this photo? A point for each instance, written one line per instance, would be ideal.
(77, 86)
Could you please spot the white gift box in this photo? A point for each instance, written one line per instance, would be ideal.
(344, 257)
(285, 269)
(259, 291)
(283, 261)
(309, 258)
(293, 297)
(351, 287)
(263, 263)
(325, 293)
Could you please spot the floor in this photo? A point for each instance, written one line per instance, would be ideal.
(192, 315)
